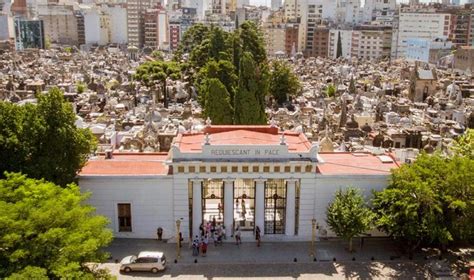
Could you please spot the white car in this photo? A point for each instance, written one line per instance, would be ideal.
(146, 261)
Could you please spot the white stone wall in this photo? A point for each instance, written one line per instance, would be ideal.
(426, 26)
(326, 187)
(151, 200)
(118, 24)
(159, 201)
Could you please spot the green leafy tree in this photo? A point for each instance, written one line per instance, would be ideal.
(252, 40)
(339, 45)
(47, 230)
(42, 140)
(330, 90)
(464, 145)
(30, 272)
(80, 87)
(428, 202)
(191, 38)
(156, 73)
(348, 215)
(224, 71)
(220, 45)
(157, 55)
(217, 106)
(283, 82)
(249, 105)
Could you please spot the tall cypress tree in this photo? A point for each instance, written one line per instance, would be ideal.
(249, 105)
(339, 45)
(217, 106)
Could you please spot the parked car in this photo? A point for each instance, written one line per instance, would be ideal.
(145, 261)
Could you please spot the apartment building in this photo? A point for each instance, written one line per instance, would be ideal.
(60, 23)
(136, 10)
(320, 43)
(427, 26)
(156, 29)
(371, 42)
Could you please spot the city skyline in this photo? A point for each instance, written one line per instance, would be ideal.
(267, 2)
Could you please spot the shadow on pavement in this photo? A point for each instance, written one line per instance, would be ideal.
(211, 271)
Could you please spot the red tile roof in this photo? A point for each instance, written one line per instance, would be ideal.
(127, 165)
(242, 135)
(353, 164)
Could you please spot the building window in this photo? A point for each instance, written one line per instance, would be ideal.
(235, 169)
(244, 207)
(245, 169)
(202, 169)
(124, 217)
(308, 168)
(287, 169)
(213, 169)
(255, 169)
(180, 169)
(224, 169)
(276, 169)
(297, 168)
(213, 201)
(192, 169)
(266, 169)
(275, 206)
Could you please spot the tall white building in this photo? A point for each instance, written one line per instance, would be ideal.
(118, 23)
(353, 13)
(96, 26)
(372, 8)
(276, 5)
(200, 5)
(427, 26)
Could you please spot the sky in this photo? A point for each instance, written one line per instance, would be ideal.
(268, 2)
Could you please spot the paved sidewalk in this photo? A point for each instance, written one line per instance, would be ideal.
(273, 260)
(269, 252)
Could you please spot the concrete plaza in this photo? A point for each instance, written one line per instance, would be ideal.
(275, 260)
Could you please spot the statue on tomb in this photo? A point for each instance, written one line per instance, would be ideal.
(326, 145)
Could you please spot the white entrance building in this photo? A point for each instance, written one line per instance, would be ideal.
(244, 176)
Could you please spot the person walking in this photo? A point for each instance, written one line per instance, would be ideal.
(204, 243)
(196, 246)
(238, 241)
(257, 236)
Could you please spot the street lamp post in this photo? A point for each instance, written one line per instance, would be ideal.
(178, 240)
(313, 236)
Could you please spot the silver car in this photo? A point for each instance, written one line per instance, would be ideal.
(145, 261)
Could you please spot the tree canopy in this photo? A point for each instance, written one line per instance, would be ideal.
(283, 82)
(348, 215)
(217, 106)
(42, 140)
(153, 73)
(47, 232)
(217, 54)
(430, 202)
(249, 107)
(464, 145)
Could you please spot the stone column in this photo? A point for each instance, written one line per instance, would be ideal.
(290, 207)
(228, 205)
(260, 205)
(197, 206)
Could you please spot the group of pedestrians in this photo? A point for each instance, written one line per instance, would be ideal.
(210, 232)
